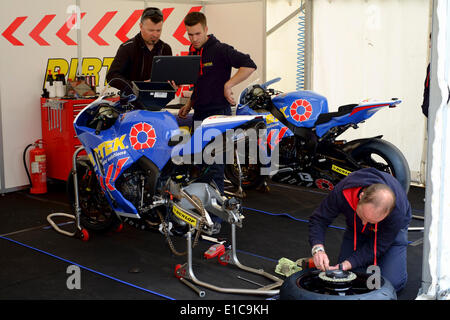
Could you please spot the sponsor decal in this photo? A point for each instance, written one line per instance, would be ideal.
(109, 175)
(105, 148)
(324, 184)
(300, 110)
(340, 170)
(184, 216)
(112, 172)
(142, 136)
(275, 135)
(270, 118)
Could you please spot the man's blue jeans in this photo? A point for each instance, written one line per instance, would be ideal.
(392, 264)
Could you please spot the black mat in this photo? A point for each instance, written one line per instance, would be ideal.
(136, 264)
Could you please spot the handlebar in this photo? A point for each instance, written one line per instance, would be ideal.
(98, 128)
(248, 93)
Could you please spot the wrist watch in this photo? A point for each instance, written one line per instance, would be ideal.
(316, 249)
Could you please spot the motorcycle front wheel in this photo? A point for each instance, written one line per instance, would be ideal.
(96, 214)
(384, 156)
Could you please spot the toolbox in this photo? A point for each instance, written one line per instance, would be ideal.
(58, 134)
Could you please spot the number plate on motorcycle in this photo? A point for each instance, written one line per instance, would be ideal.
(184, 215)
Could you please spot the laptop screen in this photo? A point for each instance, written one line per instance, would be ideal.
(180, 69)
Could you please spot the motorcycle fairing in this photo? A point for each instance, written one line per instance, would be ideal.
(275, 129)
(137, 134)
(359, 113)
(83, 116)
(134, 135)
(211, 128)
(301, 108)
(149, 134)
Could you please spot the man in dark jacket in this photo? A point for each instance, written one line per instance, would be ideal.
(134, 58)
(212, 93)
(377, 214)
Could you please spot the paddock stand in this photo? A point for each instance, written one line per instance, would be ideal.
(80, 232)
(185, 272)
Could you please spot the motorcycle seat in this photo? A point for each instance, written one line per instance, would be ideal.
(342, 110)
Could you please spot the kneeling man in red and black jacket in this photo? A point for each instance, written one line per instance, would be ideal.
(377, 214)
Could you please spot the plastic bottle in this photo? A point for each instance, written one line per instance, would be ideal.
(50, 85)
(60, 86)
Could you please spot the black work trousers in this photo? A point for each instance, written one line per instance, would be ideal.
(217, 170)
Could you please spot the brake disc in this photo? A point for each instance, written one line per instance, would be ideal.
(337, 276)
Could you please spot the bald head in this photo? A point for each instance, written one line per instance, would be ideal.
(375, 203)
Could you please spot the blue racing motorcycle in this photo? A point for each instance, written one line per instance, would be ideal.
(303, 136)
(136, 165)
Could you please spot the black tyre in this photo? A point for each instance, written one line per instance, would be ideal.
(251, 171)
(251, 167)
(384, 156)
(306, 285)
(96, 213)
(251, 177)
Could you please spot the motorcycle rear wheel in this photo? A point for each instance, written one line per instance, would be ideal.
(384, 156)
(251, 177)
(96, 214)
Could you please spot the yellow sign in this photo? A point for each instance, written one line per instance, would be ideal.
(340, 170)
(92, 66)
(107, 147)
(184, 216)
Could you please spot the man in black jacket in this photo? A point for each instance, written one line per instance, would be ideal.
(212, 93)
(377, 214)
(134, 58)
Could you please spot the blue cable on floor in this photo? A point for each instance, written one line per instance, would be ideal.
(88, 269)
(256, 255)
(293, 218)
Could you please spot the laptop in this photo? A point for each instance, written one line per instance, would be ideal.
(181, 69)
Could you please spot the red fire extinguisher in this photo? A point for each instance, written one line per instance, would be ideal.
(38, 169)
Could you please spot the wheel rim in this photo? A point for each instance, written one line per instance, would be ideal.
(94, 208)
(96, 213)
(249, 173)
(311, 281)
(376, 160)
